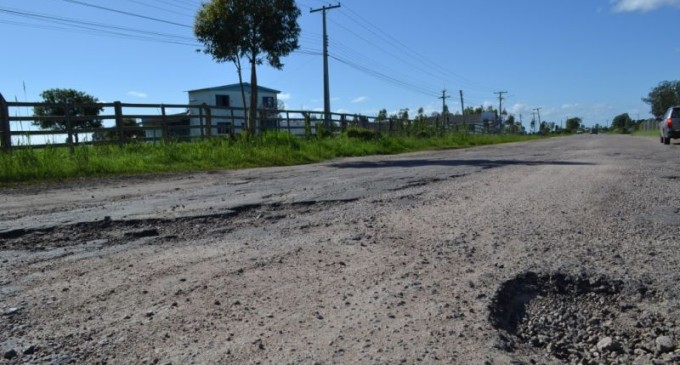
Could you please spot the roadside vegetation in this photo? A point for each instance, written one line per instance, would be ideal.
(271, 149)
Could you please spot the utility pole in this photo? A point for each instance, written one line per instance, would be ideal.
(462, 104)
(538, 111)
(500, 107)
(445, 113)
(326, 87)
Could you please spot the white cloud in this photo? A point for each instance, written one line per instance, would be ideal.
(642, 5)
(137, 94)
(570, 106)
(284, 96)
(518, 108)
(360, 99)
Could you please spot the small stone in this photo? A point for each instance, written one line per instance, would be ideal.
(664, 344)
(150, 314)
(608, 344)
(12, 311)
(10, 354)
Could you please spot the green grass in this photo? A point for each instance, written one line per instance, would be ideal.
(649, 133)
(272, 149)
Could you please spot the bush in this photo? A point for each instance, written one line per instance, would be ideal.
(361, 133)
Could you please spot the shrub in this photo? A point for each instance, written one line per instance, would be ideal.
(361, 133)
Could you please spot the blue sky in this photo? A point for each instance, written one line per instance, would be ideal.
(593, 59)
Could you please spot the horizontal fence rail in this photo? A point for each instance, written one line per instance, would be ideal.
(122, 123)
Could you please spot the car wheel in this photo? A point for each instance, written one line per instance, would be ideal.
(661, 137)
(667, 140)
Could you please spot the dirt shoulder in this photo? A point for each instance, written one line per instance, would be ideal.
(489, 255)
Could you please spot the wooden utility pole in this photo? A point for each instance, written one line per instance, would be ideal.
(462, 104)
(500, 106)
(326, 87)
(445, 113)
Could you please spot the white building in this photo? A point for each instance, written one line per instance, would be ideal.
(228, 114)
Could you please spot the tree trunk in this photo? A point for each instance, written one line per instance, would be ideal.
(253, 97)
(237, 62)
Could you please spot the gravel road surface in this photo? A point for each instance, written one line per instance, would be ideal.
(561, 251)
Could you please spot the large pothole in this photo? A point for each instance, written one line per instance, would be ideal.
(582, 320)
(110, 232)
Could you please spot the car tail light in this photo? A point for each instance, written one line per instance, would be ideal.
(669, 123)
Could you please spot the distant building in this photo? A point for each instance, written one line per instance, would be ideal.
(228, 114)
(173, 126)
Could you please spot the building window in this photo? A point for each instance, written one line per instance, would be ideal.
(268, 102)
(222, 100)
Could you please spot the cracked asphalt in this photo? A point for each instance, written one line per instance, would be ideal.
(372, 260)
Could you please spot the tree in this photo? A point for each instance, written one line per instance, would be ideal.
(665, 95)
(382, 115)
(78, 108)
(573, 124)
(622, 122)
(254, 29)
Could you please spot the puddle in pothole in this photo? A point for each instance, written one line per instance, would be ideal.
(582, 320)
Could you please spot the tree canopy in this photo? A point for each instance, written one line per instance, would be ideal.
(77, 107)
(663, 96)
(254, 29)
(622, 121)
(573, 124)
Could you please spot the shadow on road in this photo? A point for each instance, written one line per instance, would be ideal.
(487, 164)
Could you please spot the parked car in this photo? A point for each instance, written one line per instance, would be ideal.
(669, 126)
(594, 130)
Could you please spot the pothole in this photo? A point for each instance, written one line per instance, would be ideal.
(582, 320)
(110, 232)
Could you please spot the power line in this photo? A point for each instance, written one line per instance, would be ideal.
(94, 27)
(157, 7)
(384, 77)
(127, 13)
(386, 37)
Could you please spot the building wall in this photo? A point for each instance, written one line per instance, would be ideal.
(223, 118)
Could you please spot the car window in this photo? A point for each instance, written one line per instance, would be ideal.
(676, 113)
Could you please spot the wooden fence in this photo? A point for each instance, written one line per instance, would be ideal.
(125, 122)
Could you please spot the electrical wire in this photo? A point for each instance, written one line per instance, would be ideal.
(127, 13)
(88, 27)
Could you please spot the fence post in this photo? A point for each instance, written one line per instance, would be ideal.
(288, 121)
(232, 125)
(208, 120)
(164, 124)
(343, 122)
(4, 125)
(69, 127)
(118, 111)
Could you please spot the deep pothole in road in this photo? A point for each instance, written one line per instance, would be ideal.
(582, 320)
(108, 231)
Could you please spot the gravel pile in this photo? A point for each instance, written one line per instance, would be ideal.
(580, 321)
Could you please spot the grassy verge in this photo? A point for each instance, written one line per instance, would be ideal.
(649, 133)
(272, 149)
